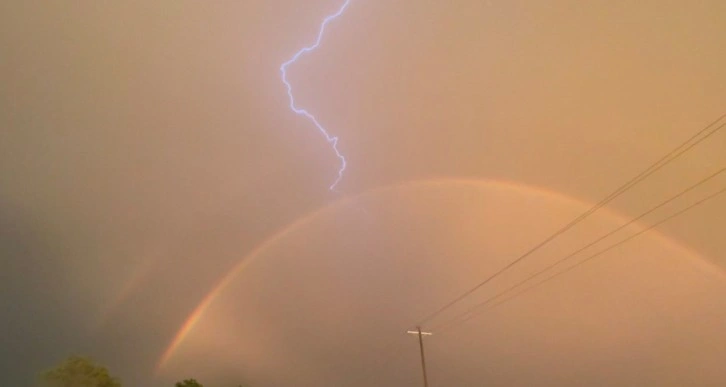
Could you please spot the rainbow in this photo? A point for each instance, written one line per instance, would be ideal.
(253, 255)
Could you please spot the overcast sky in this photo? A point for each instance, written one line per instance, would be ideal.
(148, 155)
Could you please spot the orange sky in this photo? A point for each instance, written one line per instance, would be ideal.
(146, 147)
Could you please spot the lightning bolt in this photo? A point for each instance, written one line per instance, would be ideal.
(332, 140)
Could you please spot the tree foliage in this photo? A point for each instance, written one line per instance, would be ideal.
(77, 371)
(189, 383)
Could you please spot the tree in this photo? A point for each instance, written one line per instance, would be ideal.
(77, 371)
(189, 383)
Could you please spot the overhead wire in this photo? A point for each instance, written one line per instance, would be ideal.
(684, 147)
(478, 309)
(393, 350)
(587, 246)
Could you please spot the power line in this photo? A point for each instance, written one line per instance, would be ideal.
(587, 246)
(614, 231)
(665, 160)
(479, 308)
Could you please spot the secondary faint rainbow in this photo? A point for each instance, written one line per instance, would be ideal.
(138, 276)
(251, 257)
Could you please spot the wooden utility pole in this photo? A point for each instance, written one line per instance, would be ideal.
(421, 347)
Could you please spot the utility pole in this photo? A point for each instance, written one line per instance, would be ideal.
(421, 346)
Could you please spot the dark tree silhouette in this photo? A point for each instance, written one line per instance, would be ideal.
(77, 371)
(188, 383)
